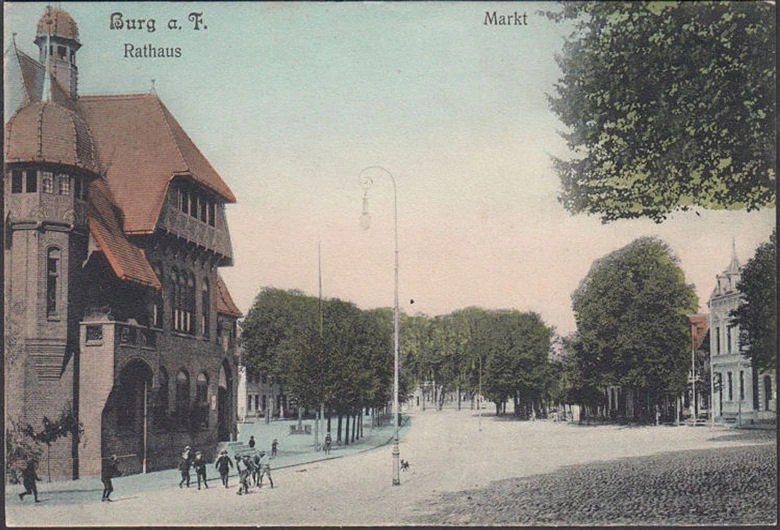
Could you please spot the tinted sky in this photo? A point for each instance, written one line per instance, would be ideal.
(290, 101)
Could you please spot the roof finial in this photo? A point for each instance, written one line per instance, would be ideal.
(152, 90)
(13, 38)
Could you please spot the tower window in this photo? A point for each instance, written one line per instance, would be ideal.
(62, 53)
(52, 278)
(72, 57)
(63, 184)
(47, 182)
(16, 182)
(32, 181)
(212, 212)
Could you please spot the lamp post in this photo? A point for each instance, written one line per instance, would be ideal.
(365, 221)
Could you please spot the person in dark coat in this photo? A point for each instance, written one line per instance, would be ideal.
(110, 470)
(29, 477)
(251, 442)
(273, 447)
(184, 467)
(255, 468)
(200, 469)
(223, 465)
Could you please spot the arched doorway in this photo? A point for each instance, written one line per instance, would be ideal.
(224, 403)
(133, 405)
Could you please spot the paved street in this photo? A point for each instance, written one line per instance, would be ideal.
(447, 453)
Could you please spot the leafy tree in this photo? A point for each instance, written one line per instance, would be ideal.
(757, 313)
(669, 105)
(633, 329)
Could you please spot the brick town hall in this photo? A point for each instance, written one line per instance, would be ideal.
(114, 233)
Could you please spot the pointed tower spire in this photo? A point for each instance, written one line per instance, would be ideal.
(734, 264)
(46, 94)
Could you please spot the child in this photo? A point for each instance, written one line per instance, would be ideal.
(184, 467)
(29, 476)
(223, 465)
(200, 469)
(265, 469)
(110, 469)
(243, 467)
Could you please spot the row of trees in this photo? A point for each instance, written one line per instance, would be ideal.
(324, 352)
(508, 350)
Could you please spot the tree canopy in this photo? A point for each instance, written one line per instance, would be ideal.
(632, 324)
(668, 106)
(756, 315)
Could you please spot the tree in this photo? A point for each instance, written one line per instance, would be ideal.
(756, 315)
(632, 324)
(669, 105)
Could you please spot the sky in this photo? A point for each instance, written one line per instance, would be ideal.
(290, 102)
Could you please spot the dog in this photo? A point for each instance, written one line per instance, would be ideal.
(404, 465)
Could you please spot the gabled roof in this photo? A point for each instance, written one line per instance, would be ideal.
(700, 325)
(128, 262)
(142, 148)
(225, 303)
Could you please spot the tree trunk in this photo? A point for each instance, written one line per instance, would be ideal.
(354, 427)
(458, 397)
(346, 430)
(328, 429)
(338, 428)
(498, 408)
(361, 424)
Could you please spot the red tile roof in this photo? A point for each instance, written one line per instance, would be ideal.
(128, 262)
(56, 21)
(142, 148)
(47, 132)
(225, 303)
(700, 325)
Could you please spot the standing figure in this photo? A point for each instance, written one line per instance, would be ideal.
(184, 468)
(200, 469)
(265, 469)
(255, 469)
(29, 476)
(273, 447)
(109, 470)
(251, 442)
(223, 465)
(327, 443)
(243, 468)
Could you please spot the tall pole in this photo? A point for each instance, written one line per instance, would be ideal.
(479, 399)
(145, 407)
(366, 182)
(693, 374)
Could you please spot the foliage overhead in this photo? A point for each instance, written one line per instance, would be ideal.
(756, 315)
(668, 106)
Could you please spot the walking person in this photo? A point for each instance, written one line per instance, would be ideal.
(200, 469)
(327, 443)
(265, 469)
(273, 447)
(223, 465)
(184, 468)
(29, 477)
(243, 468)
(251, 442)
(255, 469)
(110, 469)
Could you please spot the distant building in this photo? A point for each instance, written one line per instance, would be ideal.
(114, 233)
(739, 393)
(259, 396)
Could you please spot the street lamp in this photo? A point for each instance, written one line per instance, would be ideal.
(365, 222)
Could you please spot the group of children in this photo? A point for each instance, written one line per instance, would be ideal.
(251, 469)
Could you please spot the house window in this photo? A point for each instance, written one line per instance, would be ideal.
(717, 341)
(249, 403)
(212, 212)
(63, 184)
(767, 391)
(16, 181)
(741, 385)
(205, 308)
(257, 401)
(201, 390)
(32, 181)
(78, 188)
(62, 53)
(52, 280)
(47, 181)
(728, 338)
(731, 394)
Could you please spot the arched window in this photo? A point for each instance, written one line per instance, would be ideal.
(202, 389)
(174, 298)
(52, 281)
(205, 308)
(156, 316)
(182, 395)
(190, 304)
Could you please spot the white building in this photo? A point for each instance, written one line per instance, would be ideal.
(738, 394)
